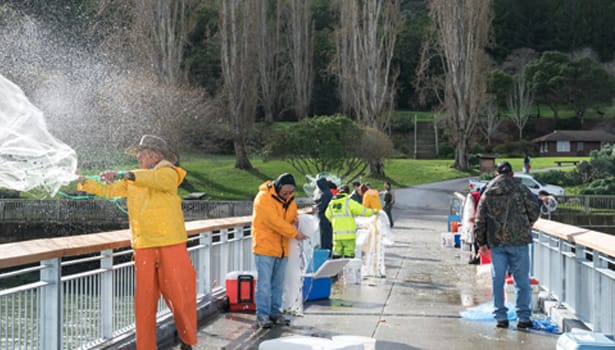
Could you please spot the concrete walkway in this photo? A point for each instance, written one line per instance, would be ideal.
(416, 306)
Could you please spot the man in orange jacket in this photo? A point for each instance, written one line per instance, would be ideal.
(162, 263)
(274, 221)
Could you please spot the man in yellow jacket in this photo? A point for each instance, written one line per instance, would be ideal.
(162, 263)
(341, 212)
(274, 221)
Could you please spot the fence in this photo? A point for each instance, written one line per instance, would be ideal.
(76, 292)
(577, 266)
(104, 211)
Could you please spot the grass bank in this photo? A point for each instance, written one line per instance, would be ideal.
(218, 178)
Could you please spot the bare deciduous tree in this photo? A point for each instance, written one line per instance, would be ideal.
(519, 101)
(365, 40)
(301, 43)
(462, 30)
(271, 67)
(239, 70)
(490, 120)
(160, 28)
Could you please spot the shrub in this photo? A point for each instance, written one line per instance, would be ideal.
(514, 149)
(402, 123)
(560, 178)
(602, 186)
(446, 151)
(6, 193)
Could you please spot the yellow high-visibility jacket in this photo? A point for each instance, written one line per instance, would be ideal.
(154, 208)
(341, 211)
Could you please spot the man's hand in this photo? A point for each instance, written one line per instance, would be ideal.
(300, 236)
(108, 176)
(483, 249)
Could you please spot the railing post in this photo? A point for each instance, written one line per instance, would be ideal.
(106, 294)
(203, 265)
(586, 205)
(50, 317)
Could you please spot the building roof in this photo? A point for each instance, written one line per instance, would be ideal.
(577, 135)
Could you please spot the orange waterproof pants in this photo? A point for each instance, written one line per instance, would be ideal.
(167, 270)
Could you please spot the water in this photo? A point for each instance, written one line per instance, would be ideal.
(31, 159)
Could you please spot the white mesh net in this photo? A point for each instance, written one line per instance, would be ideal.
(31, 159)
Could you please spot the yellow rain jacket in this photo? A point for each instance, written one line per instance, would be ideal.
(371, 199)
(154, 208)
(272, 222)
(341, 212)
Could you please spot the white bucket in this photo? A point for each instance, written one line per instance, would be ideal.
(367, 343)
(300, 342)
(510, 295)
(447, 240)
(352, 272)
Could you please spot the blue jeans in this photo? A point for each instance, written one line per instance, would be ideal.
(516, 261)
(269, 285)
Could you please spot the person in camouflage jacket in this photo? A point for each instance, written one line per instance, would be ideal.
(506, 212)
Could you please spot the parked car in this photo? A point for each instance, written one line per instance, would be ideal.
(533, 184)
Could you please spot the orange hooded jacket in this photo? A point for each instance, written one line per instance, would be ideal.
(272, 222)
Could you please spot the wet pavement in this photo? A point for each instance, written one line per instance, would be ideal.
(416, 306)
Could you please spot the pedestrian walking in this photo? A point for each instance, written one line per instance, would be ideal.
(389, 201)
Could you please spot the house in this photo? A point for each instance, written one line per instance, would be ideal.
(572, 142)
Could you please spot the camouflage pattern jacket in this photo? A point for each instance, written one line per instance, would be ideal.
(506, 212)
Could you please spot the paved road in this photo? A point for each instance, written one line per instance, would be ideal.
(416, 306)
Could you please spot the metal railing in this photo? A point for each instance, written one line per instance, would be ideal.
(586, 204)
(77, 292)
(104, 211)
(577, 267)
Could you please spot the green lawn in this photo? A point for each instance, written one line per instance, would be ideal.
(217, 177)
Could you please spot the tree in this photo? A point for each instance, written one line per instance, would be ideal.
(301, 42)
(520, 101)
(490, 120)
(365, 42)
(323, 143)
(588, 84)
(271, 58)
(547, 80)
(460, 35)
(238, 34)
(160, 30)
(579, 84)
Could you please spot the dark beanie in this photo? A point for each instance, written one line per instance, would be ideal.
(284, 179)
(504, 168)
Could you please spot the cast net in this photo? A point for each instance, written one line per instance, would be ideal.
(31, 159)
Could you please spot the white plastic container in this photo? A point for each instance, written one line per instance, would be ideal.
(511, 296)
(352, 272)
(447, 240)
(584, 341)
(300, 342)
(366, 343)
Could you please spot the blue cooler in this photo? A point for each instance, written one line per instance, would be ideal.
(584, 341)
(319, 258)
(317, 285)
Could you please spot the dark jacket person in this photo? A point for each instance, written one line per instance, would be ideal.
(506, 212)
